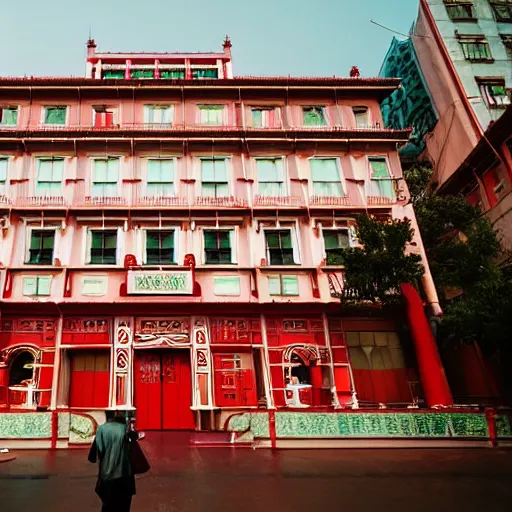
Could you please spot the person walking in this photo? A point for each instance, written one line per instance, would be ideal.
(111, 447)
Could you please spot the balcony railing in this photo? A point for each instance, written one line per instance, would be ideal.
(161, 201)
(278, 201)
(4, 200)
(379, 200)
(40, 201)
(330, 201)
(232, 202)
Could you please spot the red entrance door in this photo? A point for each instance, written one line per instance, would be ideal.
(163, 391)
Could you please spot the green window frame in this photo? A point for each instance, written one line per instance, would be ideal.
(218, 246)
(37, 286)
(55, 115)
(271, 177)
(283, 284)
(114, 74)
(313, 116)
(160, 177)
(502, 10)
(214, 177)
(103, 250)
(381, 183)
(142, 73)
(42, 244)
(50, 172)
(211, 114)
(202, 73)
(160, 247)
(336, 242)
(9, 116)
(279, 246)
(105, 177)
(172, 74)
(326, 177)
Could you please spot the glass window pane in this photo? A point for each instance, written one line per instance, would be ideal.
(3, 169)
(45, 170)
(290, 285)
(272, 239)
(152, 240)
(269, 170)
(96, 239)
(379, 168)
(324, 169)
(210, 239)
(29, 285)
(47, 239)
(43, 285)
(100, 171)
(207, 170)
(112, 170)
(330, 240)
(257, 118)
(224, 240)
(9, 116)
(55, 115)
(313, 116)
(286, 240)
(274, 285)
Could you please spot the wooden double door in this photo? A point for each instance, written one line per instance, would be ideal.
(163, 390)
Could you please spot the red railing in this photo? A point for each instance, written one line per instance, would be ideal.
(330, 201)
(231, 201)
(162, 201)
(379, 200)
(277, 201)
(40, 201)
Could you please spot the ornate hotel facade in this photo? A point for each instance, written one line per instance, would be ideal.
(171, 239)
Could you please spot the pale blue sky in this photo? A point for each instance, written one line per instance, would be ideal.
(270, 37)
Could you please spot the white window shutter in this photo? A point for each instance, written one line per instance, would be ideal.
(233, 242)
(147, 113)
(199, 233)
(56, 244)
(295, 244)
(88, 245)
(120, 246)
(140, 241)
(177, 244)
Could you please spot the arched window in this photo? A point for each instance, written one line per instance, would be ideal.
(18, 371)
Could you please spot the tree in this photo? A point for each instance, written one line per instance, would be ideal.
(375, 271)
(462, 249)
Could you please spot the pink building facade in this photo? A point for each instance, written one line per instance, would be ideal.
(170, 245)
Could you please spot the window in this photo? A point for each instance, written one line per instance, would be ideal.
(55, 115)
(42, 243)
(8, 116)
(494, 93)
(361, 115)
(270, 177)
(105, 177)
(211, 114)
(142, 73)
(280, 247)
(380, 183)
(264, 117)
(160, 177)
(502, 10)
(475, 48)
(103, 245)
(226, 286)
(336, 241)
(50, 172)
(172, 74)
(198, 74)
(218, 246)
(158, 114)
(104, 117)
(283, 284)
(507, 41)
(460, 10)
(326, 177)
(37, 286)
(160, 247)
(4, 163)
(214, 177)
(313, 116)
(114, 74)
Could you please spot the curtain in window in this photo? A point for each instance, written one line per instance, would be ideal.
(105, 178)
(211, 114)
(158, 114)
(313, 116)
(326, 177)
(9, 116)
(270, 177)
(55, 115)
(381, 183)
(205, 73)
(160, 179)
(119, 74)
(49, 176)
(142, 73)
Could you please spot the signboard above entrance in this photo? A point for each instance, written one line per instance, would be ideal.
(150, 282)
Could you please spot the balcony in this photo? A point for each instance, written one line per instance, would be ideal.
(159, 201)
(103, 201)
(330, 201)
(273, 201)
(379, 200)
(40, 201)
(221, 202)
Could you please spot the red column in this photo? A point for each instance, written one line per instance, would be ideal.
(433, 378)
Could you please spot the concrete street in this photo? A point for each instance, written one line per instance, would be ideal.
(223, 479)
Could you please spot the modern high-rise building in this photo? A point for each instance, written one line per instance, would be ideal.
(170, 241)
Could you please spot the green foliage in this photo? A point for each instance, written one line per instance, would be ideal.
(375, 271)
(462, 250)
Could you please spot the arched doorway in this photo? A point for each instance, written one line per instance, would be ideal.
(21, 374)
